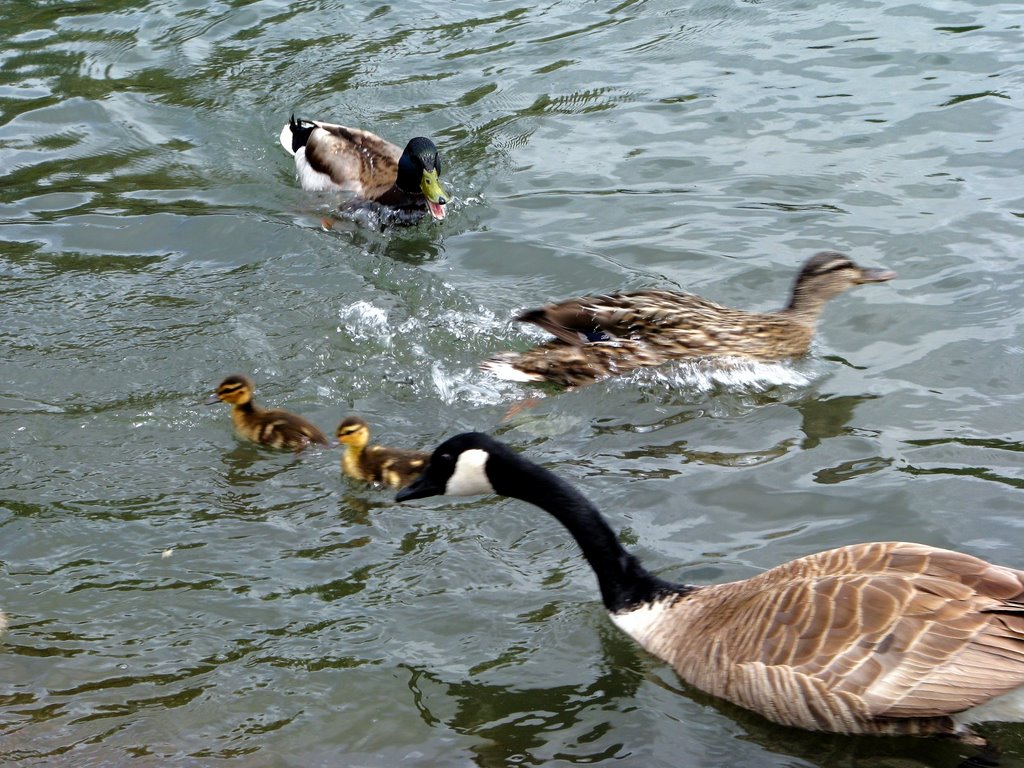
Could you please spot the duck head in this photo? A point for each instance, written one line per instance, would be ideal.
(236, 390)
(353, 431)
(419, 170)
(828, 274)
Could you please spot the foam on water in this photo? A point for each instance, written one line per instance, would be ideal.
(734, 374)
(362, 320)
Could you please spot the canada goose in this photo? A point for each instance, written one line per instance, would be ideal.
(601, 336)
(276, 428)
(332, 157)
(393, 467)
(879, 638)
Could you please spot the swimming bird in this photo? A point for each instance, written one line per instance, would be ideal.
(275, 428)
(882, 638)
(601, 336)
(331, 157)
(393, 467)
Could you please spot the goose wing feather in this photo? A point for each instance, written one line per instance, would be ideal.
(862, 633)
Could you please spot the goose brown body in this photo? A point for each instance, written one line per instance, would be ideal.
(330, 157)
(605, 335)
(393, 467)
(879, 638)
(274, 428)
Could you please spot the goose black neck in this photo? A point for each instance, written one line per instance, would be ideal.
(623, 581)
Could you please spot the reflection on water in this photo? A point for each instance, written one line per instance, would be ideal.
(512, 726)
(985, 459)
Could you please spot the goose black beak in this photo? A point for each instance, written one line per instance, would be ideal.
(419, 488)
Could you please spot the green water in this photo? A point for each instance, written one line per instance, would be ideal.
(153, 240)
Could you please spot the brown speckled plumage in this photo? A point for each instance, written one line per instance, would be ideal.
(393, 467)
(273, 428)
(601, 336)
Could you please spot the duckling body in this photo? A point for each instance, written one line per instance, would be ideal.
(393, 467)
(274, 428)
(331, 157)
(884, 638)
(605, 335)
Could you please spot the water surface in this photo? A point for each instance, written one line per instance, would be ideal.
(179, 597)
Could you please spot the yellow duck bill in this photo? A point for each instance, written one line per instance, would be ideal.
(437, 201)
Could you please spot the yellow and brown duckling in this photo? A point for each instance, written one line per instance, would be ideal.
(601, 336)
(394, 467)
(331, 157)
(275, 428)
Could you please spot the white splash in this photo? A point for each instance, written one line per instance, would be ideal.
(362, 320)
(465, 386)
(729, 373)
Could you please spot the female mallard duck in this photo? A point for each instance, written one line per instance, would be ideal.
(393, 467)
(337, 158)
(601, 336)
(276, 428)
(880, 638)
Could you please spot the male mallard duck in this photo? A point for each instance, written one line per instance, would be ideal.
(394, 467)
(882, 638)
(337, 158)
(276, 428)
(601, 336)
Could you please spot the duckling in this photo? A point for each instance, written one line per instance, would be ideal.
(276, 428)
(601, 336)
(883, 638)
(393, 467)
(332, 157)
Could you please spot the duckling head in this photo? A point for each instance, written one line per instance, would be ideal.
(828, 274)
(353, 431)
(236, 390)
(419, 170)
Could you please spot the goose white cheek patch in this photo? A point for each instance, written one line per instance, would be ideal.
(470, 475)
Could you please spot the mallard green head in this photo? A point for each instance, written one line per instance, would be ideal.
(418, 172)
